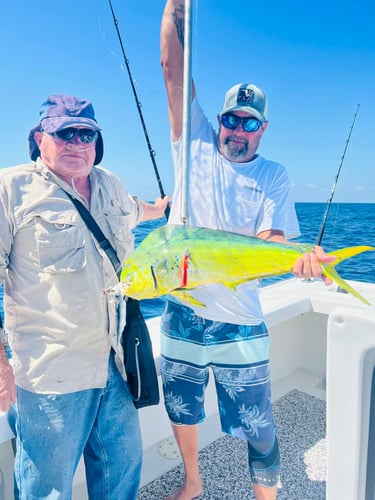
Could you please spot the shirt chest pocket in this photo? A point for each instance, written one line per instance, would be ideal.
(123, 237)
(60, 242)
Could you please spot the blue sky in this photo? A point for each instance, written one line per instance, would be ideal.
(314, 59)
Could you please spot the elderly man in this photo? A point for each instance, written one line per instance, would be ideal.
(69, 379)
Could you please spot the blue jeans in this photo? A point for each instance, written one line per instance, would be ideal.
(53, 431)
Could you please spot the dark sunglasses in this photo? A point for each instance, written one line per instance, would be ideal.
(248, 124)
(86, 135)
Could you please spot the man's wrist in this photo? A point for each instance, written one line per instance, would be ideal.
(5, 351)
(3, 356)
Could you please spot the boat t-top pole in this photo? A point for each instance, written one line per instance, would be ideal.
(186, 113)
(325, 216)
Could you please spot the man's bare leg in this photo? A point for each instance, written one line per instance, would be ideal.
(264, 493)
(187, 440)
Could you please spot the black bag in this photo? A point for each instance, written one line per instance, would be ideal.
(139, 359)
(136, 342)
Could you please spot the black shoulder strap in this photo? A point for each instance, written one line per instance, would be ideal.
(98, 233)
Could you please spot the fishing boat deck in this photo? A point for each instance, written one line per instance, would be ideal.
(300, 417)
(301, 430)
(297, 314)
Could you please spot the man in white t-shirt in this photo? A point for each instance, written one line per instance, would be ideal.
(231, 188)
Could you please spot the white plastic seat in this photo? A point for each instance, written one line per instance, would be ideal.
(351, 404)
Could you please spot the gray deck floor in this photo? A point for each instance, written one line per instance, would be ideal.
(300, 420)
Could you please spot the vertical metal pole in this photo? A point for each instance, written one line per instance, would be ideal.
(186, 113)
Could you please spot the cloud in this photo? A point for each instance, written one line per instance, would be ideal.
(363, 188)
(304, 186)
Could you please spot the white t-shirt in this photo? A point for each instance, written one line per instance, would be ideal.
(244, 198)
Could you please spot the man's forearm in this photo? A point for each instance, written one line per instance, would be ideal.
(172, 42)
(172, 61)
(7, 384)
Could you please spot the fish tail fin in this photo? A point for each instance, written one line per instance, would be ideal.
(346, 253)
(330, 272)
(342, 254)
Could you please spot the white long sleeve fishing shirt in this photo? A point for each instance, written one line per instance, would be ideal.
(61, 324)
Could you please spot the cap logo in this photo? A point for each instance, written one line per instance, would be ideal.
(245, 95)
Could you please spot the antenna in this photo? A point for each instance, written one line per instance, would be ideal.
(329, 201)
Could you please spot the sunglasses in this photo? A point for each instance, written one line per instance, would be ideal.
(86, 135)
(248, 124)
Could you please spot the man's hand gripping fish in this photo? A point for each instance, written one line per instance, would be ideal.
(175, 259)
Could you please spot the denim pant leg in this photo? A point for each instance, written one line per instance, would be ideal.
(53, 431)
(113, 454)
(12, 418)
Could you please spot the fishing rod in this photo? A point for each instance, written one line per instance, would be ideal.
(139, 108)
(329, 202)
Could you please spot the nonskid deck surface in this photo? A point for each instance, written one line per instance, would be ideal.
(300, 418)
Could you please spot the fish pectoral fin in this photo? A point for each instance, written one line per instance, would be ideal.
(161, 268)
(232, 285)
(330, 272)
(182, 294)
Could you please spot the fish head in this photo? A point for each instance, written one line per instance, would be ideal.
(136, 280)
(150, 277)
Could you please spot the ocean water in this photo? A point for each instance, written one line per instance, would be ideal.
(348, 224)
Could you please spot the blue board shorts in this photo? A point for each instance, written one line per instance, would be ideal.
(239, 358)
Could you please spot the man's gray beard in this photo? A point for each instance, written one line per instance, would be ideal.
(233, 152)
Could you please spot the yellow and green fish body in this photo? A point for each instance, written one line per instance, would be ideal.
(174, 259)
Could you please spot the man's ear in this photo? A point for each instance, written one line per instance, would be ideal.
(38, 138)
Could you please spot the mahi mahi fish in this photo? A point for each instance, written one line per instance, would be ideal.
(176, 259)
